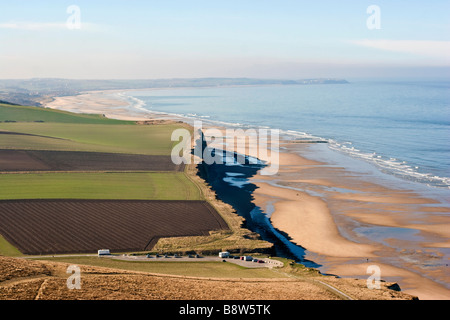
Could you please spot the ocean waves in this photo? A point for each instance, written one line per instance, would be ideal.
(401, 137)
(385, 163)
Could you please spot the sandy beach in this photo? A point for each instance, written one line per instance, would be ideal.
(330, 225)
(112, 104)
(343, 219)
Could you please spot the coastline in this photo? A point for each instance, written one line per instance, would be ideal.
(319, 205)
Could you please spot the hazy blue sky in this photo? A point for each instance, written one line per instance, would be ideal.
(246, 38)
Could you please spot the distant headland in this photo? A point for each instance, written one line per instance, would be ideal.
(38, 91)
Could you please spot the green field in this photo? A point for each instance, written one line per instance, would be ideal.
(31, 114)
(127, 186)
(63, 131)
(192, 269)
(136, 139)
(78, 132)
(6, 249)
(81, 132)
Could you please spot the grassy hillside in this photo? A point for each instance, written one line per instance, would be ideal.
(31, 114)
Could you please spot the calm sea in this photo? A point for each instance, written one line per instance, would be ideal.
(402, 128)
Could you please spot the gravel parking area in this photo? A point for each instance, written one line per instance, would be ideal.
(268, 263)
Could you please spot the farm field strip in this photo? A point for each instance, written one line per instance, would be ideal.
(46, 160)
(62, 175)
(36, 142)
(79, 226)
(134, 139)
(35, 114)
(107, 185)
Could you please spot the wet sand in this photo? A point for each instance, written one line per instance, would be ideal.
(345, 220)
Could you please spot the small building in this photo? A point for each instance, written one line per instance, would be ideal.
(224, 254)
(104, 252)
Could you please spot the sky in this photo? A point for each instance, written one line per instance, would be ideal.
(134, 39)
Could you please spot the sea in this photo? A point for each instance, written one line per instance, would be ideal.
(401, 128)
(396, 132)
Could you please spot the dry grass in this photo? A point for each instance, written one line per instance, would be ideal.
(16, 268)
(44, 280)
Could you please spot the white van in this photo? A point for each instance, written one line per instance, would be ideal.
(224, 254)
(104, 252)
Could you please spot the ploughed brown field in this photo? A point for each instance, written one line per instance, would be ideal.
(84, 226)
(46, 160)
